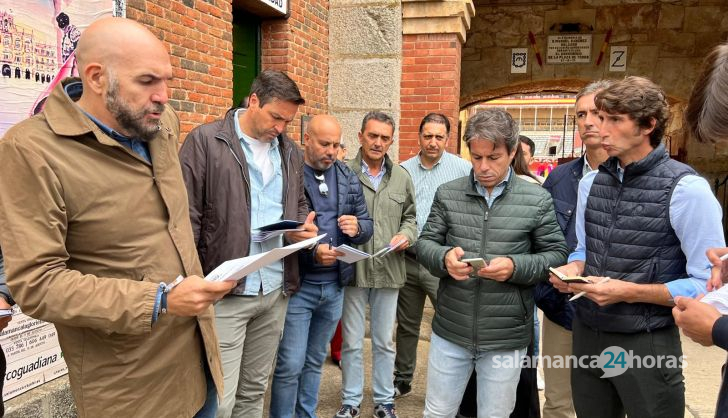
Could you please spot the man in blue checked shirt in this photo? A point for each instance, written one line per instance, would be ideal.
(645, 221)
(430, 168)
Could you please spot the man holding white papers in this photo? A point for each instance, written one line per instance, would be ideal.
(645, 221)
(243, 173)
(333, 191)
(390, 197)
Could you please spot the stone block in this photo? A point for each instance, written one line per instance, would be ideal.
(365, 31)
(364, 83)
(641, 60)
(586, 17)
(671, 16)
(676, 75)
(471, 54)
(706, 41)
(362, 3)
(628, 18)
(673, 43)
(350, 121)
(703, 18)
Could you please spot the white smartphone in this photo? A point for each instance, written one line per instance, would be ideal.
(475, 263)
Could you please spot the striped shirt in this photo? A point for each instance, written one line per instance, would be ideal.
(449, 167)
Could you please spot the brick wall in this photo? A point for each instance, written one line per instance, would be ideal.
(430, 83)
(299, 46)
(199, 36)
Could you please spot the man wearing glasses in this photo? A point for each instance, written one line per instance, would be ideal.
(333, 191)
(430, 168)
(390, 197)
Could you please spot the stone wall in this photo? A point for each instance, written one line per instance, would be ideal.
(666, 40)
(365, 39)
(199, 36)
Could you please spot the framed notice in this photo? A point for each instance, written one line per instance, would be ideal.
(32, 353)
(569, 49)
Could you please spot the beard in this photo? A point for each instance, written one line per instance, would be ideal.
(133, 121)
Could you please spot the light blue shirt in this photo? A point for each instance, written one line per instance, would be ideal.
(374, 179)
(497, 190)
(696, 217)
(266, 207)
(449, 167)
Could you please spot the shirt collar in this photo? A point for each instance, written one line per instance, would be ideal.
(74, 90)
(365, 168)
(419, 161)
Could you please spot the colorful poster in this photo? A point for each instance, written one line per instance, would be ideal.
(37, 43)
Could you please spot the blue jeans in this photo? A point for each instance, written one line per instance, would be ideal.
(536, 333)
(311, 320)
(382, 313)
(449, 369)
(209, 409)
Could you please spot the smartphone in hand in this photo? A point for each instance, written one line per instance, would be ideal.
(475, 263)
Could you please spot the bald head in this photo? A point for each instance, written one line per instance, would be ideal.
(114, 41)
(322, 141)
(124, 69)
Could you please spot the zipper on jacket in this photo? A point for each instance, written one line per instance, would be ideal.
(483, 245)
(242, 169)
(608, 238)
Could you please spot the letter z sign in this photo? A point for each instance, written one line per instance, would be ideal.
(618, 58)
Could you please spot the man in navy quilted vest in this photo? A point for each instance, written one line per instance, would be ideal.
(643, 223)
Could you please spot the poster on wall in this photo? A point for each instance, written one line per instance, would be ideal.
(37, 43)
(32, 353)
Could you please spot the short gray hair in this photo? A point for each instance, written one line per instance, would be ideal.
(495, 125)
(378, 116)
(593, 88)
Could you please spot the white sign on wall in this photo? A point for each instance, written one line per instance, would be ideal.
(32, 353)
(618, 58)
(279, 5)
(569, 49)
(519, 60)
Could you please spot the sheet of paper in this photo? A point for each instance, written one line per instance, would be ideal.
(266, 235)
(351, 254)
(718, 299)
(240, 267)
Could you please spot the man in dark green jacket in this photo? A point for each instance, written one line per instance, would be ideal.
(484, 318)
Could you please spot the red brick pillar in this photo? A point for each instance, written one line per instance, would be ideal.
(299, 46)
(430, 83)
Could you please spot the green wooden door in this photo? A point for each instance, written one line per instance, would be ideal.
(246, 53)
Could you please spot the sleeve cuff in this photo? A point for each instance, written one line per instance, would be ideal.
(577, 256)
(720, 332)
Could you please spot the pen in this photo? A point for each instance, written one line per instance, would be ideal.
(723, 257)
(580, 294)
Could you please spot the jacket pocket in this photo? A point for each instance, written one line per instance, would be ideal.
(564, 211)
(524, 310)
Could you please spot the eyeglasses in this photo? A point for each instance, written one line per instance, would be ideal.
(323, 188)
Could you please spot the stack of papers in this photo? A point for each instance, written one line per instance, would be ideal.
(241, 267)
(352, 255)
(273, 230)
